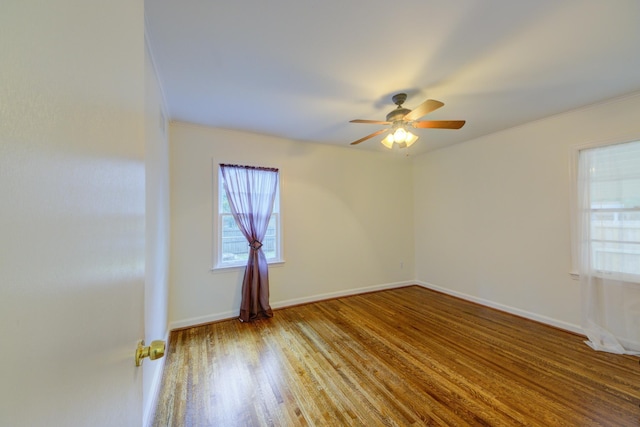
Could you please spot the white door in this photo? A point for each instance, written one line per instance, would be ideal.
(72, 209)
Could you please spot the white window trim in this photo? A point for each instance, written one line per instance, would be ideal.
(217, 265)
(574, 159)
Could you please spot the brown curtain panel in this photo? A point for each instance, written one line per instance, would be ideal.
(251, 192)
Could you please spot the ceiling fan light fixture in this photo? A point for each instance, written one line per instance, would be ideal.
(410, 139)
(399, 135)
(403, 139)
(388, 141)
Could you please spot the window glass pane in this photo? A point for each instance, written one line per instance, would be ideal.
(615, 176)
(269, 243)
(616, 257)
(224, 202)
(234, 245)
(618, 226)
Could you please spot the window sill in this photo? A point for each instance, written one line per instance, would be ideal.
(275, 263)
(629, 278)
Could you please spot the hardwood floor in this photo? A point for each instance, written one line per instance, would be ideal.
(402, 357)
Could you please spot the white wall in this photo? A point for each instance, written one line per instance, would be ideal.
(72, 218)
(492, 215)
(347, 220)
(157, 231)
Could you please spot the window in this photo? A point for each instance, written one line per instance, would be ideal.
(609, 181)
(232, 246)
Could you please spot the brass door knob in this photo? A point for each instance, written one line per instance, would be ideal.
(153, 352)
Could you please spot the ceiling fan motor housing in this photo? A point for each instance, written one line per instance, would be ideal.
(399, 112)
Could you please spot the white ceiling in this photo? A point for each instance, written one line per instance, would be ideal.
(301, 69)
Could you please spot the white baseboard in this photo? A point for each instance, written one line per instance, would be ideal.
(512, 310)
(214, 317)
(154, 392)
(338, 294)
(200, 320)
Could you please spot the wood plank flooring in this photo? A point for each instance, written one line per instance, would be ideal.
(402, 357)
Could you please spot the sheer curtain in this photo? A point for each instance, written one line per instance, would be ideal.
(609, 246)
(251, 192)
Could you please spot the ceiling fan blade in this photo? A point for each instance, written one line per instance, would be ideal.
(426, 107)
(373, 122)
(376, 133)
(439, 124)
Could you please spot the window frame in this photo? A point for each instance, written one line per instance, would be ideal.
(575, 244)
(217, 220)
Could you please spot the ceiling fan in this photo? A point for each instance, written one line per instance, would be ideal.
(402, 118)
